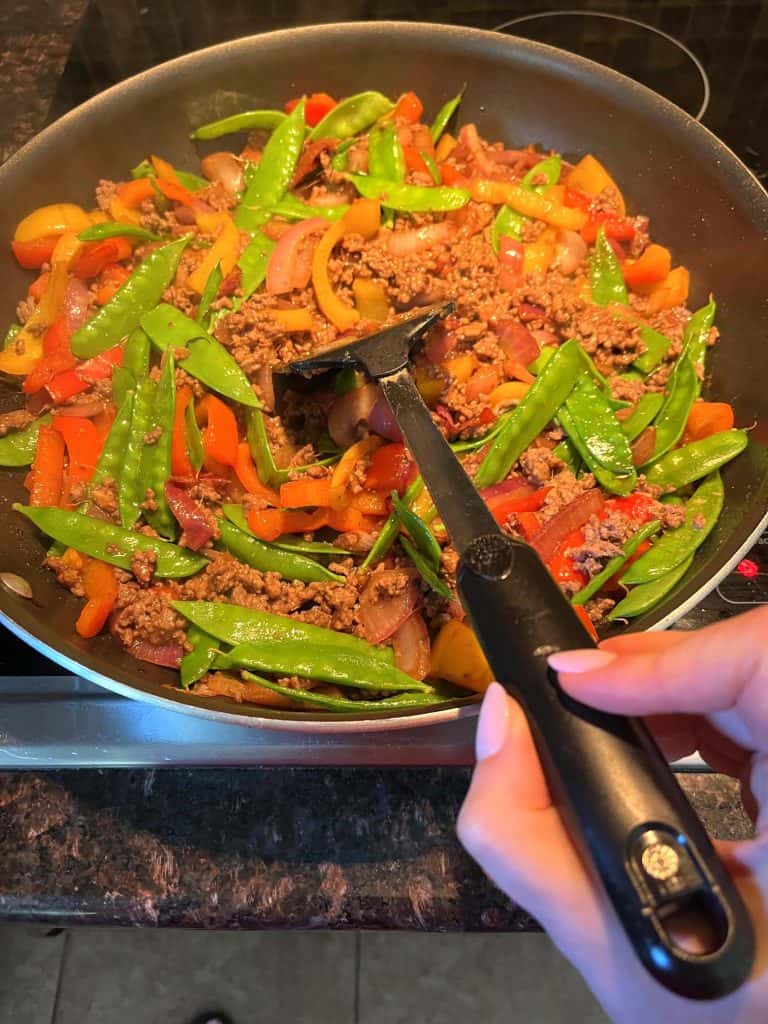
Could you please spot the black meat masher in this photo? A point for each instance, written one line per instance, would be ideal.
(612, 785)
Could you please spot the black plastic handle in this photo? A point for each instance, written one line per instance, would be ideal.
(621, 801)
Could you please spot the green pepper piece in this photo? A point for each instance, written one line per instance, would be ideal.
(110, 543)
(507, 223)
(419, 532)
(645, 597)
(267, 558)
(542, 359)
(136, 353)
(112, 456)
(656, 347)
(353, 115)
(132, 489)
(701, 513)
(614, 564)
(682, 466)
(246, 121)
(199, 660)
(389, 531)
(269, 181)
(532, 414)
(549, 169)
(426, 570)
(156, 457)
(110, 229)
(18, 448)
(194, 438)
(616, 483)
(605, 274)
(258, 442)
(253, 263)
(140, 293)
(434, 170)
(697, 331)
(444, 115)
(681, 393)
(645, 411)
(385, 154)
(410, 198)
(207, 360)
(291, 208)
(210, 291)
(597, 426)
(236, 515)
(233, 624)
(328, 664)
(419, 699)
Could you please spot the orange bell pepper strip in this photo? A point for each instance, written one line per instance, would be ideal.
(503, 506)
(364, 218)
(98, 255)
(586, 622)
(292, 319)
(56, 357)
(445, 147)
(180, 464)
(707, 418)
(81, 437)
(653, 266)
(530, 204)
(46, 476)
(164, 170)
(457, 657)
(55, 219)
(32, 255)
(129, 197)
(100, 588)
(270, 523)
(306, 492)
(224, 251)
(175, 192)
(408, 108)
(246, 473)
(671, 292)
(111, 279)
(591, 177)
(371, 503)
(347, 520)
(338, 498)
(220, 433)
(39, 286)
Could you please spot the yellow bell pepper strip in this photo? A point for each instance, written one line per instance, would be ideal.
(130, 195)
(371, 300)
(224, 250)
(292, 319)
(672, 291)
(591, 177)
(530, 204)
(460, 368)
(509, 393)
(539, 255)
(51, 220)
(363, 218)
(445, 147)
(337, 496)
(457, 657)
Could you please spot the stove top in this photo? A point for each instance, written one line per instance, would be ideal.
(709, 56)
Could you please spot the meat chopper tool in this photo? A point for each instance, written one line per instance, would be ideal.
(611, 783)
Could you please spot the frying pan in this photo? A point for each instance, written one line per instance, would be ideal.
(701, 199)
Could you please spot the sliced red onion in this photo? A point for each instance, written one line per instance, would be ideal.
(193, 519)
(406, 243)
(508, 486)
(224, 168)
(382, 421)
(544, 337)
(644, 446)
(439, 344)
(516, 341)
(329, 199)
(88, 407)
(76, 301)
(411, 646)
(382, 614)
(350, 413)
(530, 311)
(525, 157)
(471, 139)
(266, 385)
(572, 517)
(167, 655)
(282, 266)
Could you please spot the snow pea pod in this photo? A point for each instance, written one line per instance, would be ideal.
(544, 397)
(426, 570)
(656, 347)
(389, 531)
(267, 558)
(606, 278)
(444, 115)
(246, 121)
(112, 455)
(291, 208)
(542, 359)
(507, 223)
(419, 532)
(18, 448)
(207, 360)
(235, 625)
(697, 331)
(140, 293)
(258, 442)
(701, 513)
(608, 480)
(432, 167)
(566, 452)
(110, 543)
(268, 182)
(642, 598)
(385, 154)
(697, 459)
(419, 699)
(199, 660)
(111, 229)
(194, 438)
(156, 458)
(614, 564)
(548, 169)
(210, 291)
(136, 353)
(682, 391)
(645, 411)
(410, 198)
(328, 664)
(597, 426)
(253, 264)
(289, 543)
(353, 115)
(131, 491)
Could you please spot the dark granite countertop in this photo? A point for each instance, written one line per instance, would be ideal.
(271, 848)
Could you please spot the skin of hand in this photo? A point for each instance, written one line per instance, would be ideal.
(707, 691)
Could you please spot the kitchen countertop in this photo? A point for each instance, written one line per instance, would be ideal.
(228, 848)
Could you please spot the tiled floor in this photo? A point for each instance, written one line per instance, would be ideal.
(106, 976)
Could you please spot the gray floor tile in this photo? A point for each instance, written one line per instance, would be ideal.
(29, 973)
(167, 977)
(495, 979)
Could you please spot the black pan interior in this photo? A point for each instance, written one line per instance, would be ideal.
(701, 199)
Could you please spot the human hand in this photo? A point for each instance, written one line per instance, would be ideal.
(706, 691)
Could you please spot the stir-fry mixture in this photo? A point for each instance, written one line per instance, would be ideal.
(270, 537)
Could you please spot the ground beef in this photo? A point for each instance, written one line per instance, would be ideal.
(16, 419)
(539, 464)
(68, 572)
(357, 541)
(143, 566)
(145, 614)
(627, 390)
(564, 487)
(598, 608)
(104, 496)
(26, 309)
(105, 193)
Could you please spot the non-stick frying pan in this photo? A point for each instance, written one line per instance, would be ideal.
(702, 202)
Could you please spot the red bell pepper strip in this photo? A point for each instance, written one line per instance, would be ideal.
(316, 107)
(414, 161)
(586, 622)
(45, 479)
(617, 229)
(408, 108)
(110, 279)
(451, 176)
(74, 381)
(502, 506)
(32, 255)
(83, 446)
(220, 433)
(100, 588)
(562, 567)
(245, 471)
(180, 464)
(528, 524)
(98, 255)
(390, 469)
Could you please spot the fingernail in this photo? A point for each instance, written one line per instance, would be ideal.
(493, 726)
(580, 661)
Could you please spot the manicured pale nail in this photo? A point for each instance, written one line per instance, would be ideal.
(580, 661)
(493, 726)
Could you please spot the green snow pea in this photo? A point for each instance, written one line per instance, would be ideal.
(682, 390)
(410, 198)
(605, 274)
(542, 359)
(614, 564)
(140, 293)
(646, 596)
(267, 558)
(156, 458)
(268, 182)
(110, 543)
(701, 513)
(253, 263)
(210, 291)
(353, 115)
(426, 569)
(193, 438)
(385, 154)
(566, 452)
(199, 660)
(432, 167)
(289, 543)
(444, 115)
(697, 331)
(620, 484)
(341, 155)
(258, 442)
(419, 699)
(656, 347)
(110, 462)
(391, 528)
(507, 223)
(246, 121)
(233, 624)
(110, 229)
(136, 353)
(644, 412)
(207, 360)
(132, 489)
(549, 169)
(291, 208)
(18, 448)
(421, 535)
(699, 458)
(192, 182)
(328, 664)
(596, 424)
(542, 401)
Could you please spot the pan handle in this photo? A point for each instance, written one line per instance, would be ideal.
(613, 787)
